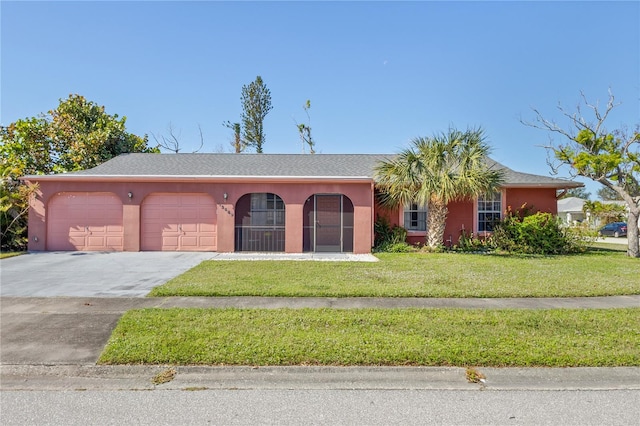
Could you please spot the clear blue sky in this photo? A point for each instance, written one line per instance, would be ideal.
(377, 73)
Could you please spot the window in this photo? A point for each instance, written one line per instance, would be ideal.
(415, 217)
(266, 209)
(489, 211)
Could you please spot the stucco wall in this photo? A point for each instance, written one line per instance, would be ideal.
(462, 215)
(536, 199)
(294, 196)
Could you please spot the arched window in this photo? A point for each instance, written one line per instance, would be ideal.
(259, 223)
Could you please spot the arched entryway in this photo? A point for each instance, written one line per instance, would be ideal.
(259, 222)
(328, 223)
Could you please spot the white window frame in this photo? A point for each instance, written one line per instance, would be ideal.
(498, 195)
(419, 209)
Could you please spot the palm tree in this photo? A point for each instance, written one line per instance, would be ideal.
(436, 171)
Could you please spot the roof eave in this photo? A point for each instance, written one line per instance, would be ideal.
(190, 178)
(558, 185)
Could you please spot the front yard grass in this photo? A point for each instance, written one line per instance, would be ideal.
(419, 337)
(8, 254)
(599, 272)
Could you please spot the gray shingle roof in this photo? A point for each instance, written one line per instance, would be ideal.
(271, 165)
(254, 165)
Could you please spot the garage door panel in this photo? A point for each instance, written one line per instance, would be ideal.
(208, 228)
(83, 220)
(177, 222)
(189, 227)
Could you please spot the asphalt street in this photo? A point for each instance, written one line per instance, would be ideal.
(322, 407)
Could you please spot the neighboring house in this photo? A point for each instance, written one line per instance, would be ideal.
(246, 202)
(570, 210)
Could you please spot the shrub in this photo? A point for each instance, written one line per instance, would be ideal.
(388, 238)
(471, 243)
(539, 233)
(398, 248)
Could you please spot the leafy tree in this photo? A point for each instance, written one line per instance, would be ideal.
(611, 158)
(78, 134)
(606, 194)
(605, 212)
(83, 135)
(256, 104)
(14, 197)
(578, 193)
(436, 171)
(305, 130)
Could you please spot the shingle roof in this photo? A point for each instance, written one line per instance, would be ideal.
(270, 165)
(570, 204)
(254, 165)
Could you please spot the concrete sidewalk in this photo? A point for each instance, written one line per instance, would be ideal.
(119, 305)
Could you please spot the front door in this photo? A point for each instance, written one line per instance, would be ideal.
(328, 223)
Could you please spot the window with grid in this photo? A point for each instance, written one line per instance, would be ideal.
(415, 217)
(267, 210)
(489, 211)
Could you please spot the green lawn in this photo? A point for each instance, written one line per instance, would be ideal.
(429, 337)
(7, 254)
(600, 272)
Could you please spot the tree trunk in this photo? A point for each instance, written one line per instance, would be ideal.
(436, 222)
(633, 249)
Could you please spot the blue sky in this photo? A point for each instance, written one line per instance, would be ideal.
(377, 73)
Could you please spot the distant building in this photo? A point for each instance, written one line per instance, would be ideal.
(570, 210)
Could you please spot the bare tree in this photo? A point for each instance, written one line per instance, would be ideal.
(610, 158)
(305, 130)
(172, 141)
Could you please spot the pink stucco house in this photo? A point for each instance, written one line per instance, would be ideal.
(250, 202)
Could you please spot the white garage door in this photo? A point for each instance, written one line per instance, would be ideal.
(90, 221)
(178, 222)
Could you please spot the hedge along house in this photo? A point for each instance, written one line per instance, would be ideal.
(245, 202)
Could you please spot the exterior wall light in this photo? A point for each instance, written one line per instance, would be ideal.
(130, 194)
(225, 196)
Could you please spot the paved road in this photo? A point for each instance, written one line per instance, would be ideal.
(322, 407)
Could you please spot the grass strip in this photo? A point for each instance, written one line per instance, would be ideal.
(420, 337)
(597, 273)
(8, 254)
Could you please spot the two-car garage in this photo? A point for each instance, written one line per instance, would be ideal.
(93, 221)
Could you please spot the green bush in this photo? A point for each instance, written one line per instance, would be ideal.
(539, 233)
(471, 243)
(398, 248)
(388, 238)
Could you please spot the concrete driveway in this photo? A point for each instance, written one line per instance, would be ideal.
(97, 274)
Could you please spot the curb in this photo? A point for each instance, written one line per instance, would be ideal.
(199, 378)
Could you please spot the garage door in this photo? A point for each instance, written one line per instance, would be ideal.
(90, 221)
(178, 222)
